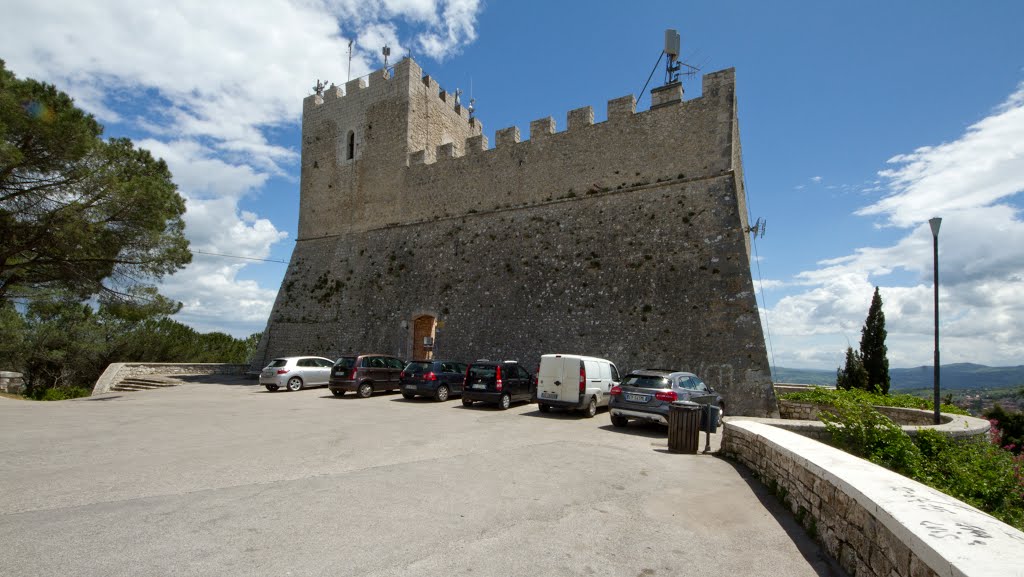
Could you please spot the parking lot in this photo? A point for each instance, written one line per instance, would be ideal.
(226, 478)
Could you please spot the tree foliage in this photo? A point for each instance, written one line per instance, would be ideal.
(79, 215)
(872, 346)
(1009, 426)
(852, 375)
(63, 345)
(868, 368)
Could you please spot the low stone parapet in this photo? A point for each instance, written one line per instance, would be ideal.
(801, 417)
(873, 521)
(11, 382)
(116, 372)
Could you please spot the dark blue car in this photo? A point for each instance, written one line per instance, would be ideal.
(437, 379)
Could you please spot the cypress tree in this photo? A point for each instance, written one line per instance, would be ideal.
(873, 349)
(852, 375)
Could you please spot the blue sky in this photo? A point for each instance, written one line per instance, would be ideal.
(859, 122)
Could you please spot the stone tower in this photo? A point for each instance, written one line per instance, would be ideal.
(623, 239)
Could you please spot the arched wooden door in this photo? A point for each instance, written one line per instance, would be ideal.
(423, 337)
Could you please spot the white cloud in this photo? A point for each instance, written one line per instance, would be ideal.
(208, 85)
(970, 183)
(815, 179)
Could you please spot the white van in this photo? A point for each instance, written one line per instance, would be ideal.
(575, 382)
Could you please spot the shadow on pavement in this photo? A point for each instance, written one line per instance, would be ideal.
(232, 380)
(815, 555)
(640, 429)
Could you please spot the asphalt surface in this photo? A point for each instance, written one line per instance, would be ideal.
(228, 479)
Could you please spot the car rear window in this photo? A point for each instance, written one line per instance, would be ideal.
(345, 363)
(485, 372)
(418, 367)
(278, 363)
(646, 382)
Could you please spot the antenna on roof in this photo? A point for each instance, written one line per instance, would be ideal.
(673, 65)
(350, 59)
(386, 51)
(759, 228)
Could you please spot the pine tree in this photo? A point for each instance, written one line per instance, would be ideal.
(852, 375)
(873, 349)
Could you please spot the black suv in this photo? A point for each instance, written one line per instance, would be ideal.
(437, 379)
(498, 382)
(365, 374)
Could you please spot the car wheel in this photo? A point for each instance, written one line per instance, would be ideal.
(271, 388)
(467, 403)
(504, 402)
(408, 396)
(544, 407)
(591, 409)
(619, 420)
(295, 384)
(365, 390)
(338, 392)
(441, 394)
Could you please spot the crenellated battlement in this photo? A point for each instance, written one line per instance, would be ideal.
(394, 144)
(619, 110)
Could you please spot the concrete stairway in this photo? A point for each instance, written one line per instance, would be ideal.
(144, 384)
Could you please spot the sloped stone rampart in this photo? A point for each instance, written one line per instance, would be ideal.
(873, 521)
(117, 372)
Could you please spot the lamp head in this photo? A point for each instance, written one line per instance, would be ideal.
(934, 223)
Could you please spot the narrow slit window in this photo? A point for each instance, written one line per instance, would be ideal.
(351, 150)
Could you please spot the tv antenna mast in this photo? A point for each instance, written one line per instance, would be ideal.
(759, 228)
(673, 66)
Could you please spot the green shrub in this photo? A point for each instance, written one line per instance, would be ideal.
(823, 396)
(859, 429)
(977, 472)
(62, 393)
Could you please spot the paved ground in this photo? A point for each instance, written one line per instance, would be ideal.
(227, 479)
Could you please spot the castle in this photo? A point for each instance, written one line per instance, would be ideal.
(624, 239)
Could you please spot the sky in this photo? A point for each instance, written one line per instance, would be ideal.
(859, 122)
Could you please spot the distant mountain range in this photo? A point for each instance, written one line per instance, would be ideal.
(955, 376)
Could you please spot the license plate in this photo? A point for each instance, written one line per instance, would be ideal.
(479, 386)
(339, 373)
(547, 395)
(637, 398)
(410, 387)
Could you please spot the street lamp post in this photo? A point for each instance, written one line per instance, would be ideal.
(934, 223)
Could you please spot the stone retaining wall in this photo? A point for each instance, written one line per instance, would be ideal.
(116, 372)
(900, 415)
(873, 521)
(11, 382)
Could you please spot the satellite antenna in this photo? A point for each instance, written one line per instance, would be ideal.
(759, 228)
(386, 51)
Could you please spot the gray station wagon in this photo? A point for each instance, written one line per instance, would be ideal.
(647, 394)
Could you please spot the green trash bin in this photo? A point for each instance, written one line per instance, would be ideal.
(684, 427)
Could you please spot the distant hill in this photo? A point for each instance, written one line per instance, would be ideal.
(954, 376)
(804, 376)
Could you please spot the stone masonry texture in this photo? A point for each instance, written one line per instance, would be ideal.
(623, 239)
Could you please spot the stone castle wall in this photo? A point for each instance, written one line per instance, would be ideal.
(623, 239)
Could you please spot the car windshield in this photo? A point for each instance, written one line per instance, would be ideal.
(278, 363)
(646, 382)
(415, 368)
(345, 363)
(484, 372)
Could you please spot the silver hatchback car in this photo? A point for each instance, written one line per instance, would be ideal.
(647, 394)
(296, 373)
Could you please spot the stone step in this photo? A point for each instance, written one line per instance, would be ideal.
(142, 384)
